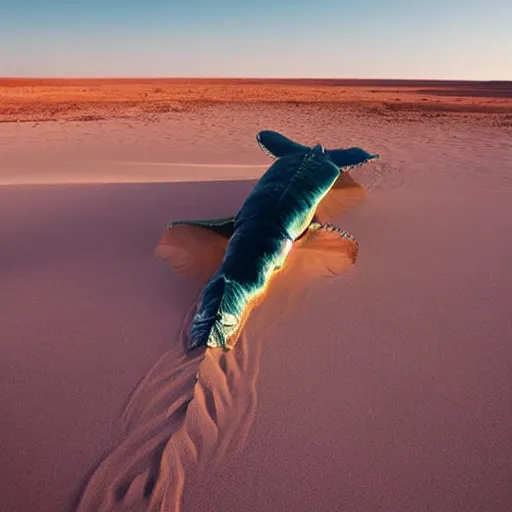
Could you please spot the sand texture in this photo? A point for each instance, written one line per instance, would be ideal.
(97, 99)
(382, 386)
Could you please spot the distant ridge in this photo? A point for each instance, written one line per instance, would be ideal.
(353, 82)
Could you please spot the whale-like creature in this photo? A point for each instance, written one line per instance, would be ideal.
(277, 213)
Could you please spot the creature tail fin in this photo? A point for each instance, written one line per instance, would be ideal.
(345, 159)
(277, 145)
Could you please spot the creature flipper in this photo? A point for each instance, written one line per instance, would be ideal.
(345, 194)
(195, 248)
(277, 145)
(224, 226)
(351, 157)
(326, 250)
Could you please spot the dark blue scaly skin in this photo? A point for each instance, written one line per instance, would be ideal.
(277, 212)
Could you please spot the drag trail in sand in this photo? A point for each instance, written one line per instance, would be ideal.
(191, 414)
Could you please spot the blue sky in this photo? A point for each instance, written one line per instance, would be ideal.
(445, 39)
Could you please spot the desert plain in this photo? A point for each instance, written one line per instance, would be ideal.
(386, 388)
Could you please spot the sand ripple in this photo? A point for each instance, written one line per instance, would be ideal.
(192, 413)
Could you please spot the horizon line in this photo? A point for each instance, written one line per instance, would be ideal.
(160, 77)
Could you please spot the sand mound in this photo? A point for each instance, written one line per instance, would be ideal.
(193, 411)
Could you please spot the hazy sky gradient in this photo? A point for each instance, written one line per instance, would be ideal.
(445, 39)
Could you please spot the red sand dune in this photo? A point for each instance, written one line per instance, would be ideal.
(387, 388)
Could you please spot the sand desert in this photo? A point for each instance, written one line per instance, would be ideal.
(385, 387)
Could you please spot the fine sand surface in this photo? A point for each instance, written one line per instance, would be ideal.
(385, 388)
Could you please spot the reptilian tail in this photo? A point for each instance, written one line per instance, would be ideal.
(277, 146)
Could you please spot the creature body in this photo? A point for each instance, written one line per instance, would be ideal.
(279, 211)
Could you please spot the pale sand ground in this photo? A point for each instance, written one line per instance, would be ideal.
(385, 389)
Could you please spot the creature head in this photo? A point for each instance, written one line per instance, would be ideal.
(219, 316)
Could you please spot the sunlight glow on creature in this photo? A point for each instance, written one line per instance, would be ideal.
(278, 212)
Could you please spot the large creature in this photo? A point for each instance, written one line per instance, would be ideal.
(277, 213)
